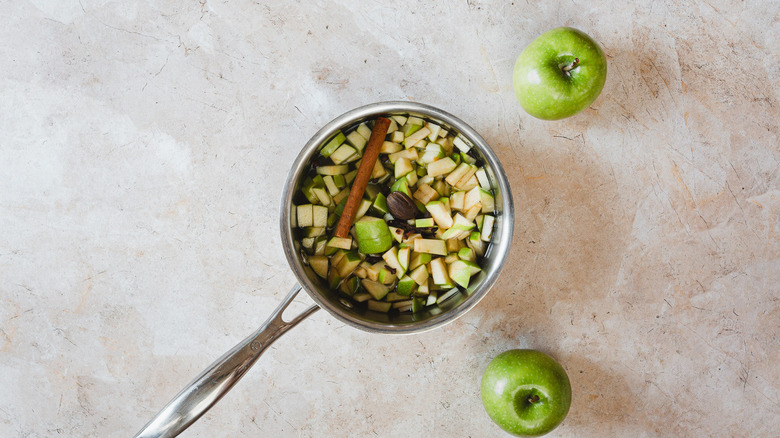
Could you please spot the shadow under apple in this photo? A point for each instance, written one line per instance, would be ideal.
(554, 292)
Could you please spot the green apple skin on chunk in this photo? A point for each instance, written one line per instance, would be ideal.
(460, 271)
(559, 74)
(525, 392)
(406, 285)
(377, 290)
(372, 235)
(333, 144)
(320, 265)
(391, 258)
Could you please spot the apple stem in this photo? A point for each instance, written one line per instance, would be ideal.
(533, 399)
(571, 66)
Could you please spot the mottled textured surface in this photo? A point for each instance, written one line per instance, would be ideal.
(143, 149)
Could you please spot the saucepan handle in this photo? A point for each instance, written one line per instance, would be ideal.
(216, 380)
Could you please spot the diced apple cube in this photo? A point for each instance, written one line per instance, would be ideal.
(364, 131)
(397, 137)
(322, 195)
(433, 152)
(472, 169)
(457, 174)
(403, 258)
(378, 171)
(319, 264)
(376, 289)
(340, 242)
(457, 200)
(379, 306)
(401, 120)
(390, 147)
(441, 167)
(393, 126)
(338, 169)
(331, 185)
(304, 215)
(467, 254)
(341, 195)
(473, 212)
(406, 285)
(472, 198)
(362, 209)
(391, 258)
(440, 213)
(430, 246)
(439, 272)
(476, 243)
(469, 184)
(417, 136)
(426, 194)
(409, 154)
(483, 179)
(424, 222)
(358, 141)
(454, 245)
(332, 145)
(487, 200)
(342, 154)
(419, 259)
(385, 276)
(487, 228)
(319, 217)
(402, 167)
(460, 271)
(435, 129)
(459, 143)
(398, 234)
(372, 272)
(419, 275)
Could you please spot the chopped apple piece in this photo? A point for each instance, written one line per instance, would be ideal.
(430, 246)
(339, 169)
(340, 242)
(425, 194)
(319, 216)
(358, 141)
(304, 215)
(441, 167)
(487, 228)
(483, 179)
(440, 213)
(417, 136)
(343, 153)
(364, 131)
(457, 200)
(457, 173)
(459, 143)
(439, 272)
(390, 147)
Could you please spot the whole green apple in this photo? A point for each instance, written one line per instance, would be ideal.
(526, 392)
(559, 74)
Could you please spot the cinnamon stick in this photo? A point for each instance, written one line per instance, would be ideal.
(370, 155)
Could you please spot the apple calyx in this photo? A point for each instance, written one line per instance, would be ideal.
(533, 399)
(567, 68)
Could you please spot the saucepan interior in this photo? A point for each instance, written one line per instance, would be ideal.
(434, 316)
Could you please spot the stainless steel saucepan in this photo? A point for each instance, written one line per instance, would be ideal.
(216, 380)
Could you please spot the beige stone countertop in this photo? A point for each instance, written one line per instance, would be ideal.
(144, 147)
